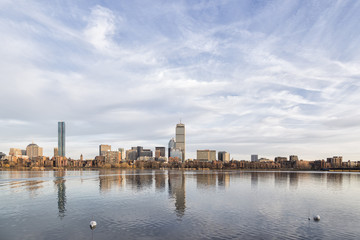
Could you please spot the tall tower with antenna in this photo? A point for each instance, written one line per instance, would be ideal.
(180, 138)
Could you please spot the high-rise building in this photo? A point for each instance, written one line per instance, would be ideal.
(161, 151)
(33, 151)
(112, 157)
(254, 158)
(122, 153)
(206, 155)
(15, 152)
(131, 154)
(176, 153)
(56, 152)
(103, 149)
(224, 156)
(180, 138)
(171, 146)
(61, 139)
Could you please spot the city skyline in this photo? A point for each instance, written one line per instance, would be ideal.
(271, 78)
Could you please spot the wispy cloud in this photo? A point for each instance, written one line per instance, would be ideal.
(266, 77)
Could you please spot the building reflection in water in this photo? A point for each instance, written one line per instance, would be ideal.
(109, 179)
(223, 180)
(31, 186)
(294, 179)
(61, 189)
(254, 179)
(335, 180)
(138, 179)
(160, 180)
(281, 179)
(176, 181)
(206, 180)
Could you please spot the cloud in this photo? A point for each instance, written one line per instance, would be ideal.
(271, 78)
(101, 28)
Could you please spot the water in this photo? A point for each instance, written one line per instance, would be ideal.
(133, 204)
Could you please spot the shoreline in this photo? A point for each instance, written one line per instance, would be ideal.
(180, 169)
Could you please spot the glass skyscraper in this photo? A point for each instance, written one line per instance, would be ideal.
(61, 139)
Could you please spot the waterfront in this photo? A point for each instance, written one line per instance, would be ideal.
(170, 204)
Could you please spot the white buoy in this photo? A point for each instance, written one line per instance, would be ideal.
(92, 225)
(317, 218)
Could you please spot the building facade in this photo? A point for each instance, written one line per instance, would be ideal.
(176, 153)
(112, 157)
(293, 158)
(122, 153)
(103, 148)
(180, 138)
(56, 152)
(206, 155)
(15, 152)
(160, 151)
(224, 156)
(131, 154)
(33, 151)
(335, 161)
(61, 139)
(171, 146)
(254, 158)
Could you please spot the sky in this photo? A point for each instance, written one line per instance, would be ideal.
(273, 78)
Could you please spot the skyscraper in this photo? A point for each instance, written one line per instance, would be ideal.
(180, 138)
(61, 139)
(171, 146)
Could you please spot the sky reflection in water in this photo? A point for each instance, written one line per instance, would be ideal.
(134, 204)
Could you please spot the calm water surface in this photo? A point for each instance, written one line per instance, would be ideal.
(132, 204)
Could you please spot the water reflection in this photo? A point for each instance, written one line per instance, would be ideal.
(254, 179)
(160, 181)
(61, 192)
(109, 179)
(294, 180)
(25, 180)
(179, 204)
(281, 179)
(206, 180)
(139, 180)
(223, 180)
(334, 181)
(177, 190)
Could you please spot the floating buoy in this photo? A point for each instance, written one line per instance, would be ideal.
(92, 225)
(317, 218)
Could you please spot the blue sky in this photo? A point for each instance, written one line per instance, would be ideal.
(268, 77)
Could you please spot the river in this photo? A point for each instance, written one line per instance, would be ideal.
(172, 204)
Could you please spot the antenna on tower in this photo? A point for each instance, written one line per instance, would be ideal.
(180, 120)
